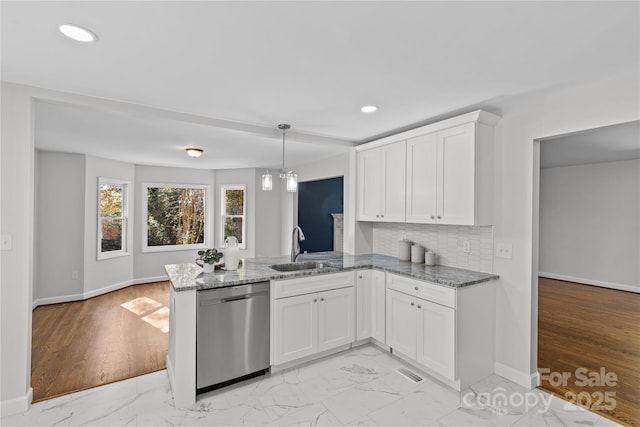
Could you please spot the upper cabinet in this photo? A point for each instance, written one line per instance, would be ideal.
(381, 183)
(448, 173)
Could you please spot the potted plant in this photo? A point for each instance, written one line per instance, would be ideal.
(208, 258)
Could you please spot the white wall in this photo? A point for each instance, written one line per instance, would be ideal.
(149, 266)
(60, 209)
(268, 223)
(590, 222)
(241, 177)
(16, 265)
(527, 118)
(106, 274)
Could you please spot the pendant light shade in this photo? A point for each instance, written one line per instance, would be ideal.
(292, 182)
(290, 178)
(267, 182)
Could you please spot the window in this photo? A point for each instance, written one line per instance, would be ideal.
(112, 218)
(233, 213)
(174, 217)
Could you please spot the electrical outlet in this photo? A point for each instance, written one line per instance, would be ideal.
(6, 242)
(74, 275)
(504, 250)
(466, 247)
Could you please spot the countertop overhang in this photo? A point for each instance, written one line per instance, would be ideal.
(189, 276)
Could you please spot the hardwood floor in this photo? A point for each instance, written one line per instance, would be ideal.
(84, 344)
(593, 328)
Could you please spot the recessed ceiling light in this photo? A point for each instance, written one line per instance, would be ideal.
(194, 152)
(368, 108)
(78, 33)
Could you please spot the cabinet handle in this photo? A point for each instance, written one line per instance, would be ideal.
(321, 299)
(315, 300)
(412, 304)
(419, 306)
(381, 216)
(433, 217)
(377, 216)
(416, 288)
(439, 217)
(360, 277)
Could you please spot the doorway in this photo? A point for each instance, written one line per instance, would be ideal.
(588, 288)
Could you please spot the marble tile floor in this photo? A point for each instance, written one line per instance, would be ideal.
(359, 387)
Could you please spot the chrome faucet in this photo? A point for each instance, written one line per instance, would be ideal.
(295, 242)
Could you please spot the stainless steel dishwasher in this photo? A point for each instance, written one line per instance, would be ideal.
(232, 335)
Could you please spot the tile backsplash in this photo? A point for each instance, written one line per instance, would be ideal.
(445, 240)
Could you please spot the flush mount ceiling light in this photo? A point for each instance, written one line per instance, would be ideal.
(368, 108)
(194, 152)
(78, 33)
(290, 178)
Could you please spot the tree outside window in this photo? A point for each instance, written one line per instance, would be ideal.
(175, 217)
(233, 213)
(112, 223)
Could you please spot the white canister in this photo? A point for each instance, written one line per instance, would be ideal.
(231, 254)
(404, 250)
(417, 254)
(430, 258)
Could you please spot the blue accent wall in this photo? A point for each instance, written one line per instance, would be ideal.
(317, 200)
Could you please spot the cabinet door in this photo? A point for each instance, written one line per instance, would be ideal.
(456, 174)
(436, 338)
(336, 318)
(401, 323)
(378, 305)
(394, 184)
(363, 304)
(370, 179)
(295, 327)
(422, 161)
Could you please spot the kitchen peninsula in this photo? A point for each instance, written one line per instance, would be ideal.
(439, 318)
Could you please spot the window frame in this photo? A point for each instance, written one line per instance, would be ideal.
(145, 248)
(223, 215)
(125, 231)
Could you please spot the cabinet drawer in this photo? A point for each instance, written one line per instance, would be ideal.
(309, 284)
(418, 288)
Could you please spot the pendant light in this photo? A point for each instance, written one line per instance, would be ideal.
(290, 178)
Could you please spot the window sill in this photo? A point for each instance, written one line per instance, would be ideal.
(173, 248)
(110, 255)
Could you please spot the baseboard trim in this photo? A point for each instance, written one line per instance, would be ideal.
(17, 405)
(610, 285)
(142, 280)
(529, 381)
(96, 292)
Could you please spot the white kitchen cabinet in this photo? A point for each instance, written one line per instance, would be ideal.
(448, 332)
(378, 305)
(436, 337)
(336, 317)
(370, 305)
(402, 325)
(363, 304)
(296, 329)
(319, 319)
(381, 183)
(448, 173)
(449, 176)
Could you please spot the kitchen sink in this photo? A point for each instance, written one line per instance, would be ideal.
(298, 266)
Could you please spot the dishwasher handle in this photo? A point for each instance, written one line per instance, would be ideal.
(213, 301)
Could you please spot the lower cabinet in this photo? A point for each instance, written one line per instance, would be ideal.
(436, 331)
(448, 331)
(370, 305)
(303, 325)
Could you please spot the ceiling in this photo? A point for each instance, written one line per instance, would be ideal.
(605, 144)
(310, 64)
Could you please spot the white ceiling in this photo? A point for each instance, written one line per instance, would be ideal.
(310, 64)
(605, 144)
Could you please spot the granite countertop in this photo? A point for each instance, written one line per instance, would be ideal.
(189, 276)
